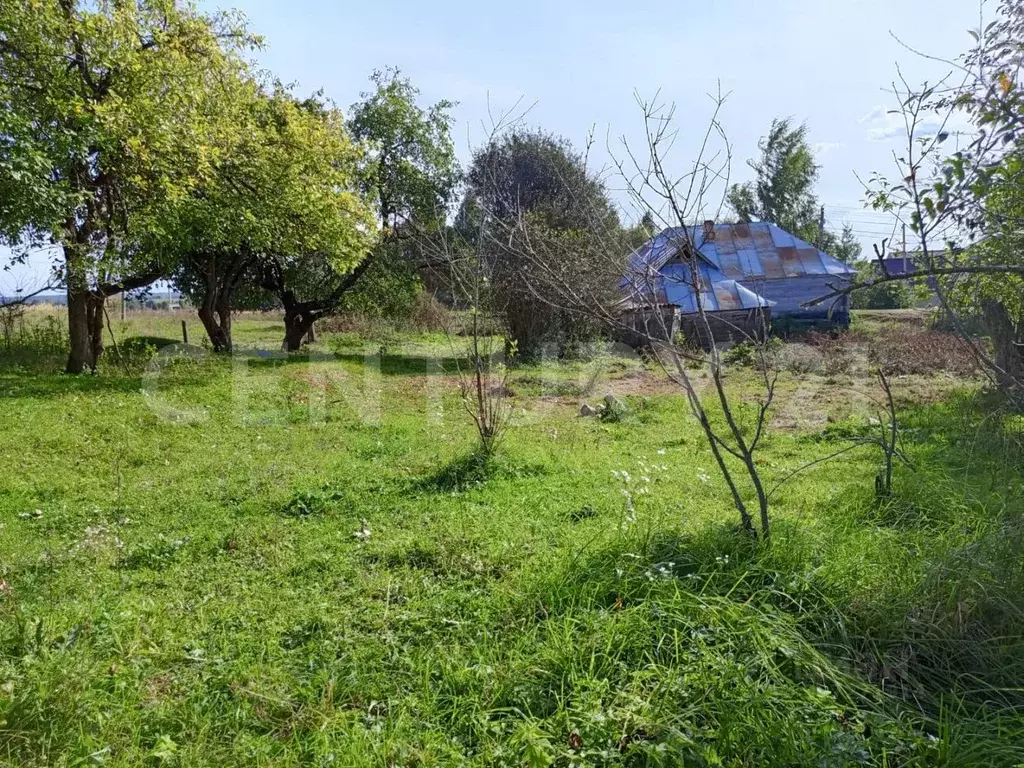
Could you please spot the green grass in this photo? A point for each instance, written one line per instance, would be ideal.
(250, 586)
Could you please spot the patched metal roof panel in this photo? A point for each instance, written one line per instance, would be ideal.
(780, 237)
(836, 267)
(729, 259)
(790, 259)
(727, 295)
(750, 253)
(717, 291)
(677, 287)
(750, 264)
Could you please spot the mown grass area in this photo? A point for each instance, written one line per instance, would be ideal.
(256, 562)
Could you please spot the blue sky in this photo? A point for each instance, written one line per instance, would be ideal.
(826, 62)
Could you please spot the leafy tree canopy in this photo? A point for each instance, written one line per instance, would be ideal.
(101, 114)
(409, 166)
(407, 172)
(847, 247)
(103, 125)
(540, 173)
(782, 191)
(285, 186)
(539, 218)
(286, 182)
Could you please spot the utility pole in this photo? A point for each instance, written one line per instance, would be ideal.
(904, 241)
(821, 230)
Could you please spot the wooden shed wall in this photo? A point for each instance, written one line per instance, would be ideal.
(726, 326)
(643, 326)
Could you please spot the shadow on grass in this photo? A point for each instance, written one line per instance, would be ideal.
(139, 344)
(459, 474)
(718, 559)
(390, 365)
(921, 595)
(975, 437)
(944, 553)
(20, 385)
(409, 365)
(955, 634)
(473, 470)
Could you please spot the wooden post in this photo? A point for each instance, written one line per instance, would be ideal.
(184, 332)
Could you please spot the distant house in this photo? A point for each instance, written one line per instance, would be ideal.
(747, 272)
(926, 288)
(899, 265)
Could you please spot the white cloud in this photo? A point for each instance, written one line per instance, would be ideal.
(885, 125)
(878, 113)
(886, 130)
(824, 147)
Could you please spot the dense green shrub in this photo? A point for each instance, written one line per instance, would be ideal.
(897, 294)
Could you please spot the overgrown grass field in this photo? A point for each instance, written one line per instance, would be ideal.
(263, 562)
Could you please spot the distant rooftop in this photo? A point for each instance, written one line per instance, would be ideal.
(741, 252)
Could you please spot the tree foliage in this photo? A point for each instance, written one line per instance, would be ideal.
(847, 247)
(102, 125)
(962, 198)
(782, 191)
(409, 167)
(285, 187)
(530, 193)
(406, 171)
(410, 170)
(890, 295)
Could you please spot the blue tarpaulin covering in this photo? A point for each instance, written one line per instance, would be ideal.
(738, 263)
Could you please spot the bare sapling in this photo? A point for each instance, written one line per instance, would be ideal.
(459, 254)
(640, 309)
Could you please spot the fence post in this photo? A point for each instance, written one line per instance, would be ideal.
(184, 332)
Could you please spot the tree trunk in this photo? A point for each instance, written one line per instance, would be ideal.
(296, 328)
(222, 273)
(224, 315)
(1008, 342)
(85, 329)
(97, 318)
(217, 323)
(81, 356)
(219, 335)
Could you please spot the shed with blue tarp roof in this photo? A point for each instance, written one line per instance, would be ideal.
(741, 267)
